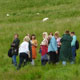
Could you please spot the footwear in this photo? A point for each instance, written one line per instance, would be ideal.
(57, 63)
(32, 62)
(64, 63)
(18, 68)
(72, 62)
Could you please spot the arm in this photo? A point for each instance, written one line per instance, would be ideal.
(35, 43)
(73, 41)
(54, 44)
(16, 43)
(27, 49)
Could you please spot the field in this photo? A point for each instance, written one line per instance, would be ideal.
(24, 18)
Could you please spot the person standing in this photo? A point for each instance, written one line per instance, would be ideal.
(52, 50)
(44, 49)
(24, 53)
(58, 38)
(15, 46)
(34, 46)
(30, 48)
(66, 50)
(73, 45)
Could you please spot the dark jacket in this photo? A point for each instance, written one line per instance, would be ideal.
(30, 49)
(15, 46)
(66, 51)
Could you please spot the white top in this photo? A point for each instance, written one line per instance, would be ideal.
(44, 42)
(24, 47)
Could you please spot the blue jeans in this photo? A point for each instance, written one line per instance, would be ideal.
(73, 53)
(14, 60)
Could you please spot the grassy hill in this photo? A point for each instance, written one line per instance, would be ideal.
(23, 19)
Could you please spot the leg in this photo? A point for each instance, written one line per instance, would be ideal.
(14, 60)
(42, 62)
(73, 53)
(46, 62)
(51, 57)
(20, 61)
(33, 62)
(26, 59)
(55, 58)
(58, 54)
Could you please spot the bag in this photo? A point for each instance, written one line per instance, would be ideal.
(10, 52)
(77, 44)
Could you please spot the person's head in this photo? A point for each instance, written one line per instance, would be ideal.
(29, 35)
(26, 38)
(33, 37)
(67, 32)
(72, 33)
(56, 34)
(51, 33)
(45, 35)
(16, 36)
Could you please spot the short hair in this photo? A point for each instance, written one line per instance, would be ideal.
(26, 38)
(51, 33)
(34, 36)
(67, 32)
(72, 32)
(28, 35)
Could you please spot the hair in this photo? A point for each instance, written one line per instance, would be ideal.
(67, 32)
(46, 34)
(26, 38)
(56, 33)
(28, 35)
(72, 32)
(34, 36)
(51, 33)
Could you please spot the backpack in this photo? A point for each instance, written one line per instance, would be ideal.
(10, 52)
(77, 44)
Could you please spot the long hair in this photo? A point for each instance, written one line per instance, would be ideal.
(34, 36)
(46, 34)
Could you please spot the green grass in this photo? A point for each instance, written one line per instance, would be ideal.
(63, 15)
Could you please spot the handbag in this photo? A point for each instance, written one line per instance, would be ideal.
(10, 52)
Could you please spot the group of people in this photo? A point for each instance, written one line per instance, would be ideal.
(27, 50)
(53, 49)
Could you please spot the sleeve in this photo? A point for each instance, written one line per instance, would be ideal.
(17, 43)
(36, 42)
(61, 40)
(27, 47)
(54, 44)
(73, 41)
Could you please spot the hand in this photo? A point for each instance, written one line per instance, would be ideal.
(56, 52)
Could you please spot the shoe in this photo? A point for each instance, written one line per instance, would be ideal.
(72, 62)
(64, 63)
